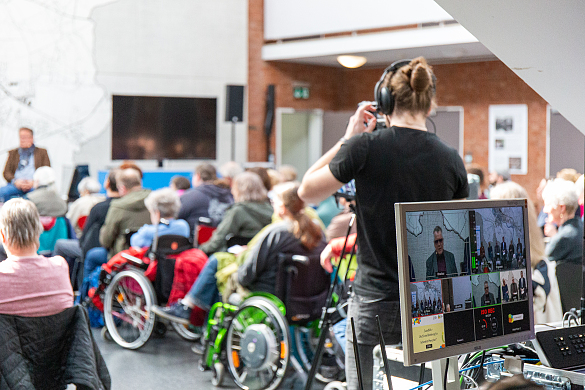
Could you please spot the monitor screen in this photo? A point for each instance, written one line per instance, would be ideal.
(464, 276)
(163, 127)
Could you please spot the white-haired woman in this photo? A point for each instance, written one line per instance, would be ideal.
(163, 205)
(32, 285)
(89, 196)
(560, 203)
(45, 195)
(546, 295)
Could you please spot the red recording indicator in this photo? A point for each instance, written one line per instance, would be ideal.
(489, 310)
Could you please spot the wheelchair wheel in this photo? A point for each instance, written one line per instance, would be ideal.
(127, 304)
(332, 367)
(258, 345)
(218, 373)
(186, 331)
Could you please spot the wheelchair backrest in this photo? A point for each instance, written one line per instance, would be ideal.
(302, 284)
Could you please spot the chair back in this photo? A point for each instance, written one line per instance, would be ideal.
(302, 285)
(81, 221)
(569, 277)
(51, 352)
(168, 246)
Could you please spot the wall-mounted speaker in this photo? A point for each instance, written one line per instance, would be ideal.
(234, 105)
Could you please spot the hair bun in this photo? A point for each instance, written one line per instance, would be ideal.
(420, 78)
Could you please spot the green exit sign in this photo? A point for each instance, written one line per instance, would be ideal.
(301, 92)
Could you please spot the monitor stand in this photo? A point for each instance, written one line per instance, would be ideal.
(438, 369)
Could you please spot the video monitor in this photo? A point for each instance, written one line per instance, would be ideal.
(464, 269)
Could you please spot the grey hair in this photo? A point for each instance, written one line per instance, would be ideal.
(21, 223)
(89, 184)
(45, 176)
(165, 201)
(230, 169)
(129, 178)
(513, 190)
(249, 187)
(561, 192)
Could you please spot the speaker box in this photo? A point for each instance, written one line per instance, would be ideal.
(234, 105)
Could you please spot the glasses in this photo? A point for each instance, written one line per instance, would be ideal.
(439, 241)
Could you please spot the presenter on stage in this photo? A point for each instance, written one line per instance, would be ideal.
(441, 264)
(400, 163)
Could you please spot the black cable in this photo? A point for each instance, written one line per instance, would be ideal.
(421, 375)
(433, 123)
(480, 369)
(446, 372)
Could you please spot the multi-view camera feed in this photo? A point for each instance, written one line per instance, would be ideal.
(468, 275)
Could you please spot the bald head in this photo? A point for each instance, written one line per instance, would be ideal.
(128, 180)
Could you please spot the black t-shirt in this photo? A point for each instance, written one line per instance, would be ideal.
(389, 166)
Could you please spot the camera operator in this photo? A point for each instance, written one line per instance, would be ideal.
(401, 163)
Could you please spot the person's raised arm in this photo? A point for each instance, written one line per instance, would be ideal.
(318, 182)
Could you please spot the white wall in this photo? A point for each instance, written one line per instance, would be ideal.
(301, 18)
(63, 60)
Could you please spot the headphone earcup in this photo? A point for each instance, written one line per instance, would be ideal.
(385, 101)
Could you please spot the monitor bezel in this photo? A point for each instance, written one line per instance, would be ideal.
(410, 357)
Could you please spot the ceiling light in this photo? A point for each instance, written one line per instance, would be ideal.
(351, 61)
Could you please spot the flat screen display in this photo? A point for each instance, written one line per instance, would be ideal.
(465, 277)
(160, 127)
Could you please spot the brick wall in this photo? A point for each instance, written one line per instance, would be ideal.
(474, 86)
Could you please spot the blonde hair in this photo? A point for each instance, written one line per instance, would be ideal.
(21, 223)
(249, 187)
(304, 229)
(512, 190)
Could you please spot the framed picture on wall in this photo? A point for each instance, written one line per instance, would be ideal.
(508, 138)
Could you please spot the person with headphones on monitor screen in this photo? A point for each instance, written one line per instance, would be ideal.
(400, 163)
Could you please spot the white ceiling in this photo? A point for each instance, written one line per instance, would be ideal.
(542, 41)
(438, 44)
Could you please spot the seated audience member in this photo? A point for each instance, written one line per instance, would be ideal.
(179, 184)
(264, 176)
(89, 196)
(21, 165)
(498, 177)
(229, 171)
(32, 285)
(127, 213)
(560, 203)
(568, 174)
(163, 206)
(274, 178)
(295, 233)
(546, 295)
(483, 185)
(340, 223)
(206, 198)
(246, 217)
(287, 173)
(45, 195)
(72, 249)
(129, 164)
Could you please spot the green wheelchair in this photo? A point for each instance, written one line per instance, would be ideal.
(259, 339)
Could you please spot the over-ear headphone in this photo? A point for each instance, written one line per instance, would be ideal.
(383, 95)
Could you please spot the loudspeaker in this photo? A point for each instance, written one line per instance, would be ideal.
(269, 119)
(234, 104)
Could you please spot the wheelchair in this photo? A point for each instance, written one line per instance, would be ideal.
(128, 294)
(258, 339)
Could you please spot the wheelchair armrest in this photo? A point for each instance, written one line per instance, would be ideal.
(287, 258)
(134, 260)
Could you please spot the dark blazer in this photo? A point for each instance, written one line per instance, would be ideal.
(449, 261)
(41, 160)
(48, 353)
